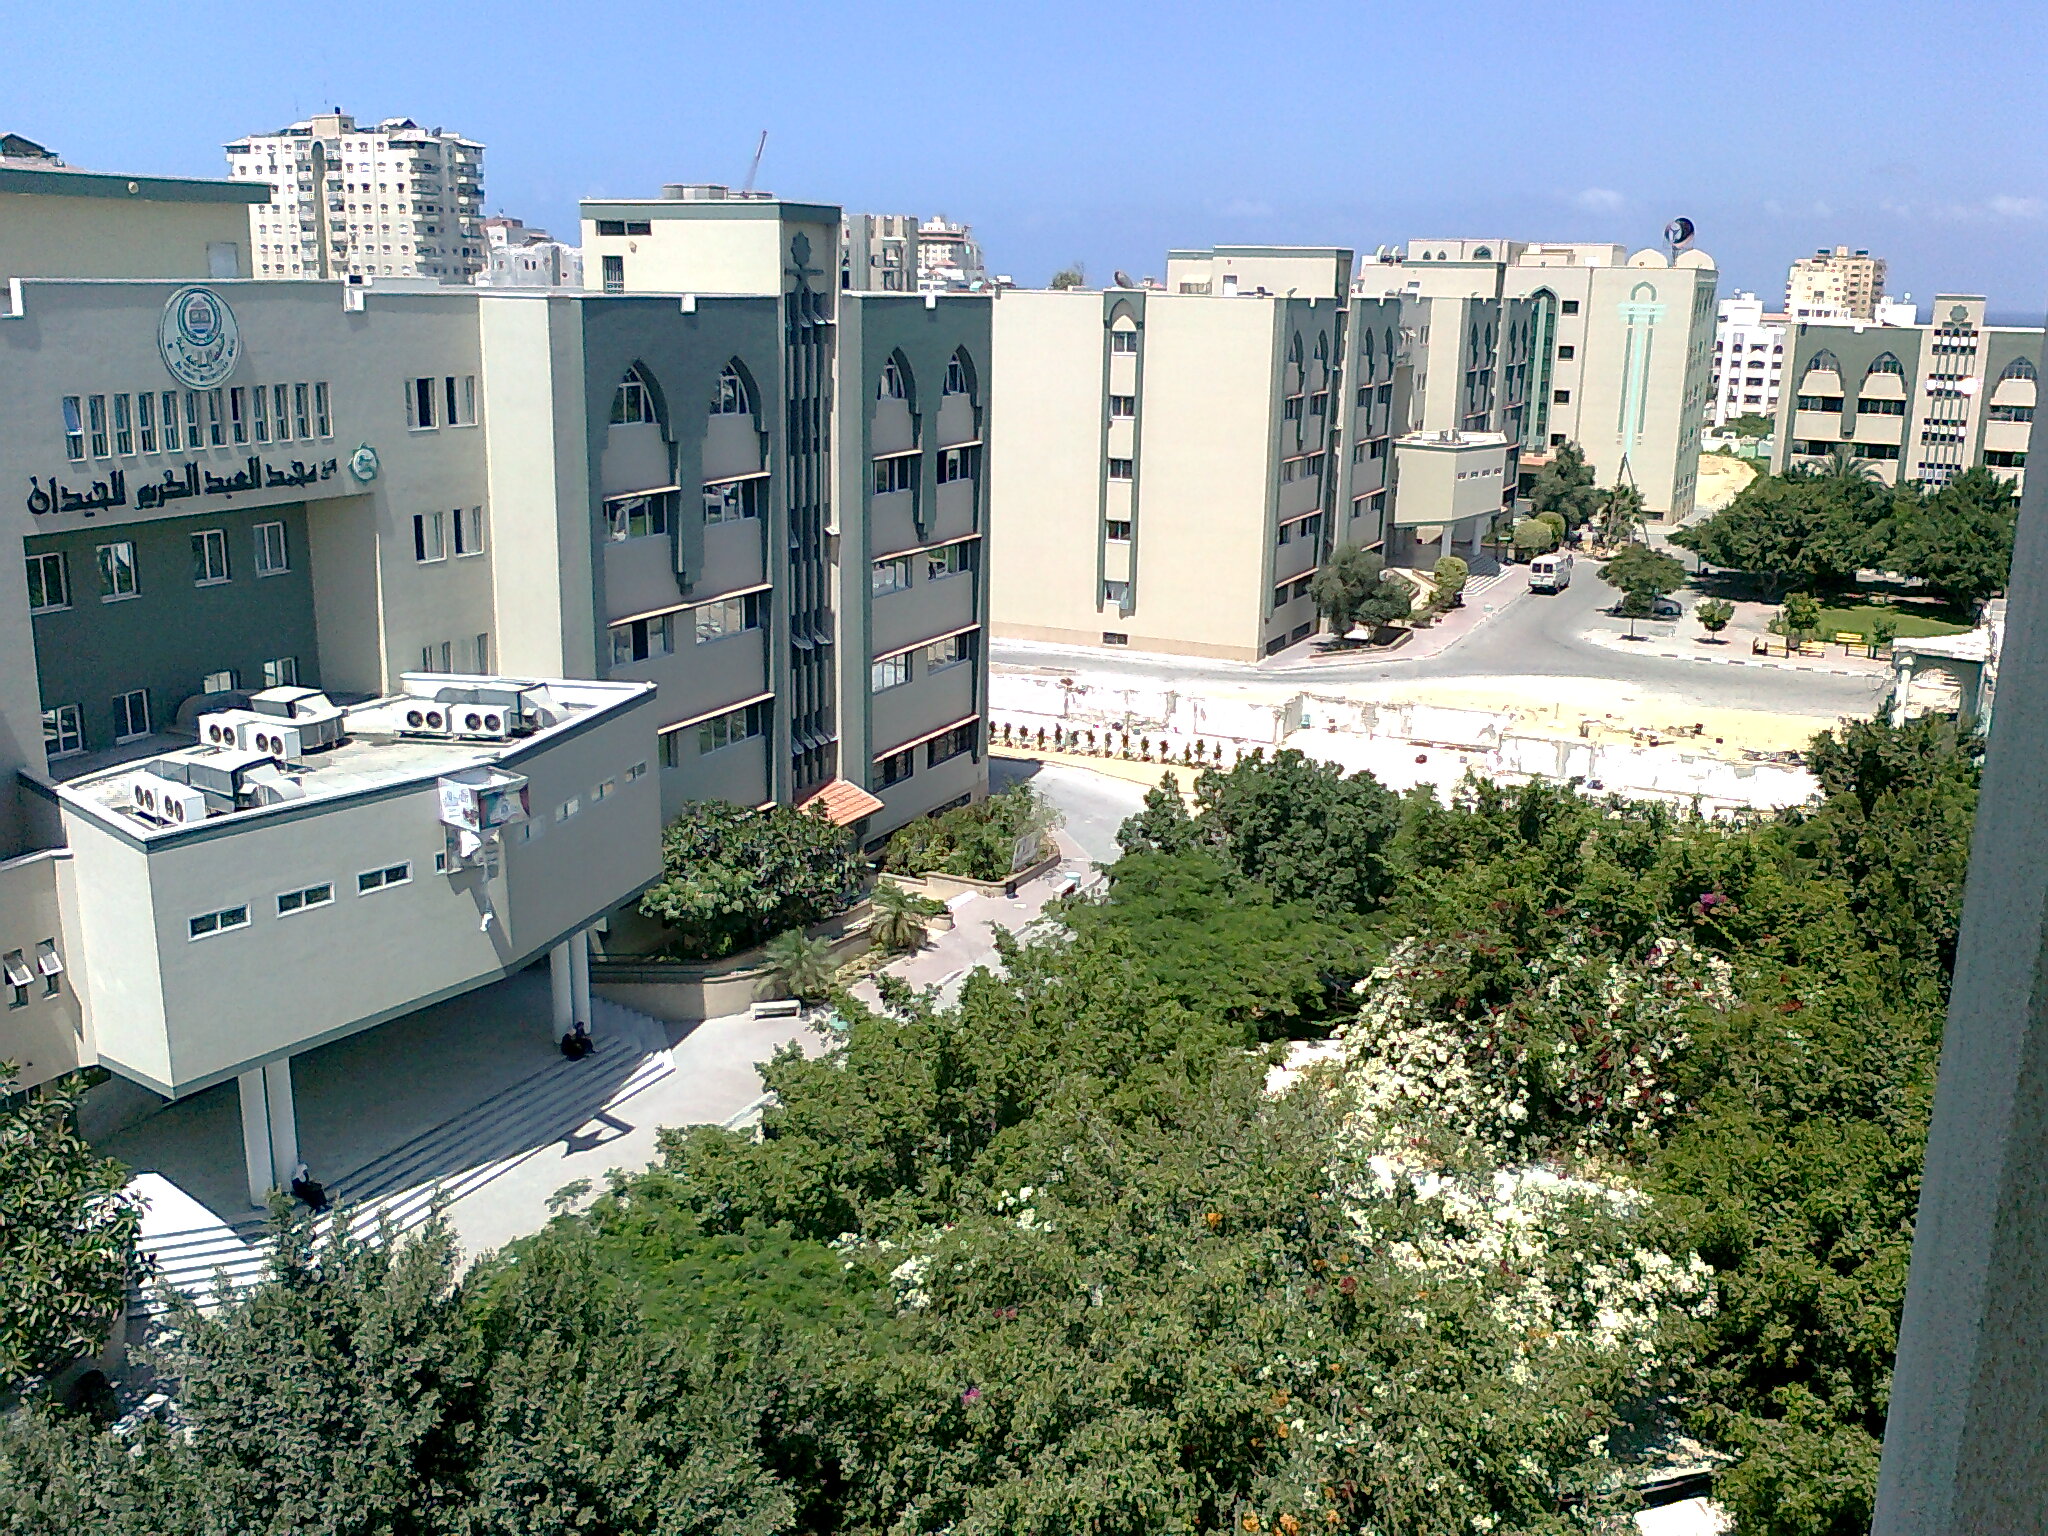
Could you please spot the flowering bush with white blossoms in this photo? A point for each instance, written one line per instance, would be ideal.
(1565, 1052)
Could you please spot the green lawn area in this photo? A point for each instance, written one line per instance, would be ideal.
(1914, 620)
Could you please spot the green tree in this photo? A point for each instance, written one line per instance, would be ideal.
(1163, 825)
(1714, 614)
(1306, 829)
(901, 917)
(979, 841)
(1073, 275)
(1642, 575)
(1796, 530)
(1534, 536)
(1347, 581)
(1390, 601)
(1799, 617)
(1621, 514)
(732, 876)
(67, 1232)
(1960, 539)
(1749, 424)
(1450, 575)
(799, 964)
(1565, 486)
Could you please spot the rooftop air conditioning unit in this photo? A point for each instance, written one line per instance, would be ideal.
(270, 737)
(481, 722)
(422, 717)
(311, 713)
(166, 802)
(222, 728)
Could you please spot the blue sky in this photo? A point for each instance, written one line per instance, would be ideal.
(1107, 132)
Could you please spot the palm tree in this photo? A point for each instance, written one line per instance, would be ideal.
(800, 965)
(899, 917)
(1843, 464)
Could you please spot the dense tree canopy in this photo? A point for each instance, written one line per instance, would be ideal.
(1816, 531)
(732, 877)
(1625, 1126)
(1565, 486)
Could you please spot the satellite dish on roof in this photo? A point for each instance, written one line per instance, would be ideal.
(1678, 232)
(1123, 279)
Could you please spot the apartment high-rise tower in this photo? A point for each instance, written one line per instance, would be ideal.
(1834, 285)
(386, 200)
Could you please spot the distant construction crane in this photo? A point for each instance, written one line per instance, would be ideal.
(755, 169)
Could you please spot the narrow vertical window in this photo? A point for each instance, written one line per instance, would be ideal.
(281, 401)
(195, 438)
(145, 421)
(124, 431)
(259, 413)
(74, 427)
(173, 439)
(96, 419)
(301, 418)
(322, 422)
(238, 413)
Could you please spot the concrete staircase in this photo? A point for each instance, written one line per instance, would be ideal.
(400, 1189)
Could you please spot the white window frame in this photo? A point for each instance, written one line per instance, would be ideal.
(305, 899)
(429, 538)
(49, 560)
(281, 414)
(371, 881)
(469, 531)
(281, 672)
(206, 544)
(226, 920)
(889, 672)
(878, 586)
(273, 550)
(63, 730)
(124, 705)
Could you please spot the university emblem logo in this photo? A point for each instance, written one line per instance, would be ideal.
(363, 463)
(198, 338)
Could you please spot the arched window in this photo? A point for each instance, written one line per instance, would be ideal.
(893, 385)
(1481, 253)
(1822, 361)
(1365, 355)
(2018, 368)
(960, 381)
(633, 400)
(1323, 348)
(1884, 362)
(732, 397)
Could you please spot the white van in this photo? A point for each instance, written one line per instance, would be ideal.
(1550, 573)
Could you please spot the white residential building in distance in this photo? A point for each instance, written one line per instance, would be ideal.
(518, 257)
(948, 257)
(1749, 359)
(389, 200)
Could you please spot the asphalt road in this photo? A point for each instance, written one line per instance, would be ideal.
(1094, 804)
(1532, 635)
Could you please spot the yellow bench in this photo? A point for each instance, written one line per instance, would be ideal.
(1849, 637)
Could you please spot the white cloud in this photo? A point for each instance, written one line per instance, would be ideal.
(2009, 207)
(1246, 208)
(1600, 200)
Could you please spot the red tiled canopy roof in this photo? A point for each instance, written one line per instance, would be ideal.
(842, 801)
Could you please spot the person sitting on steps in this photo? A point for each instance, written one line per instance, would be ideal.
(577, 1044)
(305, 1189)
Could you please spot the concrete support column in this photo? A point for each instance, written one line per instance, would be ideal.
(579, 973)
(284, 1121)
(256, 1149)
(560, 969)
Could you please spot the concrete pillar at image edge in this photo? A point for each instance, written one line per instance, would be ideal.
(561, 978)
(1965, 1450)
(579, 972)
(270, 1128)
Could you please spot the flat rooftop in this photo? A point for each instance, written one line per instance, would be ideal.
(377, 752)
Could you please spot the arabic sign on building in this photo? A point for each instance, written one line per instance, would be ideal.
(198, 338)
(178, 484)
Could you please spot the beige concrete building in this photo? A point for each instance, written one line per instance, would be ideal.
(1172, 466)
(1623, 355)
(1837, 284)
(1915, 402)
(878, 252)
(389, 199)
(60, 222)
